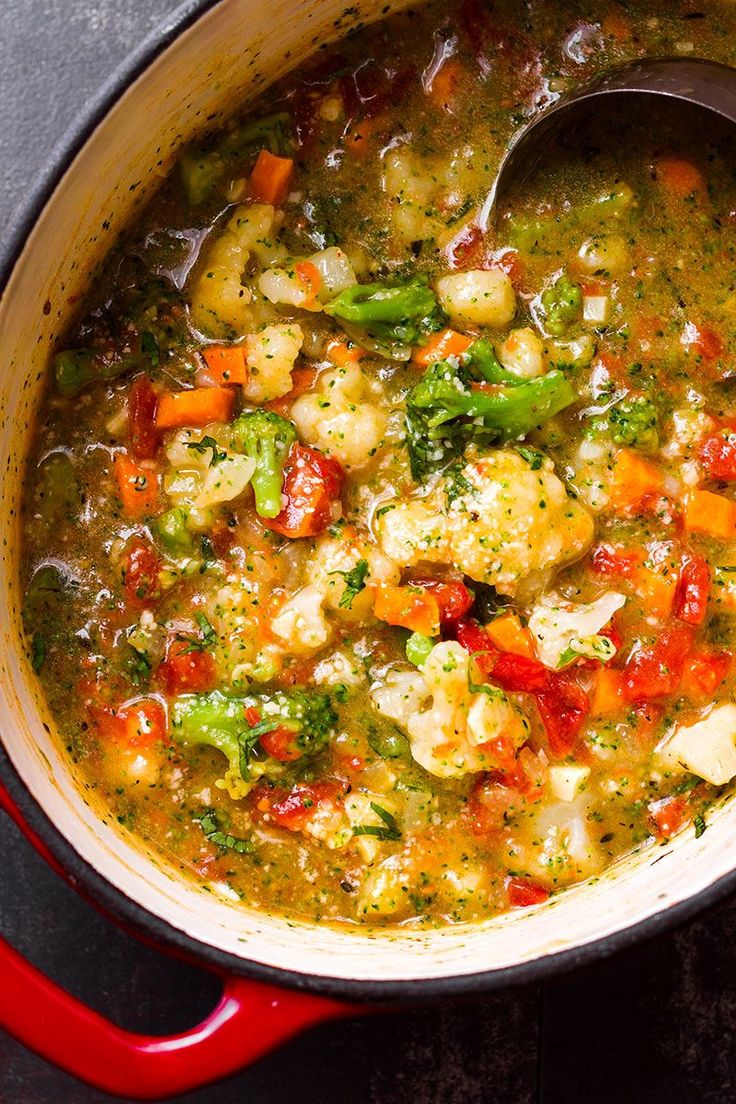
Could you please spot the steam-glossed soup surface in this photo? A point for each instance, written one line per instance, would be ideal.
(381, 568)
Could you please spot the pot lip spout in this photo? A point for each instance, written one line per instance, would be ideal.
(143, 924)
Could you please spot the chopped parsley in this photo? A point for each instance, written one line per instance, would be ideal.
(205, 445)
(354, 583)
(389, 830)
(213, 833)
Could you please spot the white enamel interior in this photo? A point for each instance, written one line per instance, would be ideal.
(214, 66)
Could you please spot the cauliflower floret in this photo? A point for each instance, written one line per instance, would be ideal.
(344, 417)
(289, 286)
(690, 424)
(271, 355)
(301, 622)
(236, 612)
(199, 481)
(592, 465)
(481, 297)
(510, 529)
(521, 353)
(336, 557)
(338, 670)
(457, 732)
(706, 748)
(400, 694)
(221, 303)
(420, 191)
(565, 630)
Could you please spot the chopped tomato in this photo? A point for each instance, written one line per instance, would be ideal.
(453, 598)
(466, 247)
(718, 456)
(693, 589)
(563, 708)
(523, 892)
(668, 815)
(521, 674)
(140, 572)
(491, 797)
(511, 671)
(510, 262)
(654, 671)
(139, 724)
(608, 559)
(476, 640)
(702, 340)
(302, 803)
(704, 673)
(143, 436)
(281, 743)
(187, 669)
(312, 483)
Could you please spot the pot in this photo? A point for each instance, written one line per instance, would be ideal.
(278, 976)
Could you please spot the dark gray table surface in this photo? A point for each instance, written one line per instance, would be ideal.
(653, 1024)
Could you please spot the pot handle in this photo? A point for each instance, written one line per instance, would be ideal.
(249, 1020)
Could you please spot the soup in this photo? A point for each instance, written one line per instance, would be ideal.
(380, 568)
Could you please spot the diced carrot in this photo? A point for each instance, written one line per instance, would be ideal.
(656, 589)
(607, 692)
(302, 380)
(441, 345)
(271, 177)
(410, 607)
(444, 84)
(668, 814)
(226, 363)
(199, 407)
(344, 352)
(681, 178)
(711, 514)
(508, 634)
(633, 479)
(137, 486)
(308, 276)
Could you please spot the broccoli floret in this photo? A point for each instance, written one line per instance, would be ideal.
(393, 317)
(266, 438)
(561, 303)
(445, 412)
(221, 721)
(633, 422)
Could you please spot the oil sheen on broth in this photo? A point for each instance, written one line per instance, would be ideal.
(378, 570)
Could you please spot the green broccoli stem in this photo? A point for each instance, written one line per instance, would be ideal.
(515, 411)
(364, 304)
(202, 168)
(481, 358)
(266, 438)
(213, 719)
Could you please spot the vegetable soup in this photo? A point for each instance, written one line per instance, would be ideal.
(380, 568)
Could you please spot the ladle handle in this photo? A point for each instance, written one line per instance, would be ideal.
(249, 1019)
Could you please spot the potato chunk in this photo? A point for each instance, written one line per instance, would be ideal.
(482, 297)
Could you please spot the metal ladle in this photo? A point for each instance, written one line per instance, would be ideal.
(706, 84)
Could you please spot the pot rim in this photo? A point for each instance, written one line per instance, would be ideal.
(124, 909)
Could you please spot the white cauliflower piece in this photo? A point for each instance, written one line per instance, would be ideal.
(338, 670)
(592, 466)
(236, 613)
(288, 285)
(193, 481)
(706, 748)
(343, 417)
(457, 732)
(220, 302)
(481, 297)
(335, 557)
(522, 353)
(270, 356)
(511, 529)
(690, 424)
(301, 623)
(400, 694)
(565, 630)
